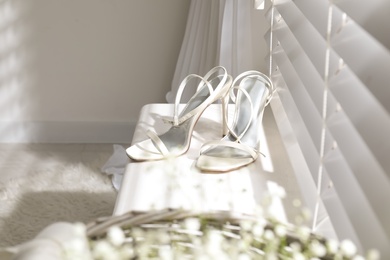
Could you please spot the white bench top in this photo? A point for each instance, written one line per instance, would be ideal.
(177, 183)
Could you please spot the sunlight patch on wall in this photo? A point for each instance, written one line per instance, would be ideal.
(12, 89)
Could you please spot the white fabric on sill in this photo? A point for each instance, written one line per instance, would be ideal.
(116, 165)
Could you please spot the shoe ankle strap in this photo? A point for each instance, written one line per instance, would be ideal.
(214, 93)
(248, 74)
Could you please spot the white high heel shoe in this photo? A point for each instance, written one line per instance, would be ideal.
(176, 141)
(240, 147)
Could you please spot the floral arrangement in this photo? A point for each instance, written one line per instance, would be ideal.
(193, 234)
(180, 234)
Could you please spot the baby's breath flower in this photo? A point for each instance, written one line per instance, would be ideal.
(76, 249)
(126, 252)
(115, 236)
(269, 235)
(192, 224)
(103, 250)
(296, 247)
(271, 256)
(348, 248)
(306, 214)
(280, 230)
(244, 256)
(303, 233)
(246, 225)
(163, 237)
(137, 232)
(373, 254)
(258, 230)
(79, 229)
(358, 257)
(297, 203)
(214, 238)
(165, 252)
(298, 256)
(332, 246)
(317, 249)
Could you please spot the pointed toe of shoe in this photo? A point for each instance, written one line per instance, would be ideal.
(144, 151)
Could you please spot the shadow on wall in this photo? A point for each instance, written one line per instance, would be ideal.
(35, 211)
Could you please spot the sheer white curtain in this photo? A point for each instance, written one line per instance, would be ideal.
(218, 33)
(330, 61)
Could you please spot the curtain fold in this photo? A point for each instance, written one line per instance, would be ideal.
(217, 33)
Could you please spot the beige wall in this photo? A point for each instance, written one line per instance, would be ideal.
(81, 64)
(80, 70)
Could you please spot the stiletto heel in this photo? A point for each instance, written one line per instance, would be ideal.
(240, 146)
(225, 102)
(176, 140)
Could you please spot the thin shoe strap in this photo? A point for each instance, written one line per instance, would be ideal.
(183, 85)
(158, 143)
(216, 93)
(238, 137)
(243, 147)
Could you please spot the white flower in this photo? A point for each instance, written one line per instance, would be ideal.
(103, 250)
(298, 256)
(317, 249)
(163, 237)
(348, 248)
(332, 246)
(246, 225)
(358, 257)
(243, 256)
(214, 238)
(116, 236)
(373, 254)
(258, 229)
(165, 252)
(79, 229)
(297, 203)
(269, 235)
(280, 231)
(303, 233)
(77, 248)
(306, 214)
(192, 224)
(271, 256)
(296, 247)
(126, 252)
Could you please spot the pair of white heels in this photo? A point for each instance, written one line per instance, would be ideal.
(250, 91)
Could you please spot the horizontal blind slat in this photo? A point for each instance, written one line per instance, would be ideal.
(359, 210)
(366, 58)
(302, 99)
(373, 16)
(305, 33)
(367, 116)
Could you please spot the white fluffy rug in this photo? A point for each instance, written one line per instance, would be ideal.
(72, 192)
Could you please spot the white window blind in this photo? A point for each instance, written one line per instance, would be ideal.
(330, 62)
